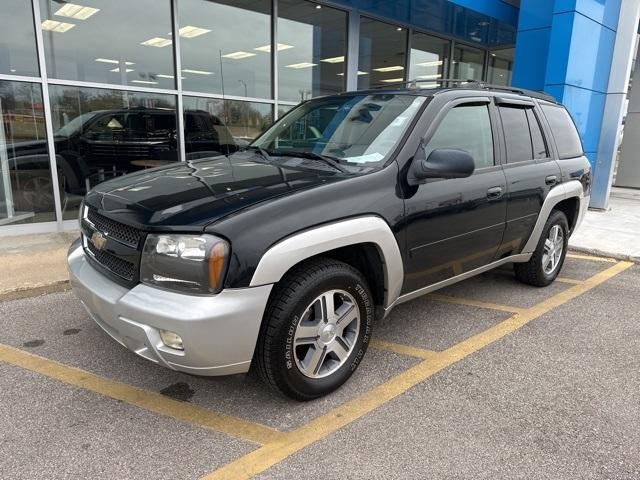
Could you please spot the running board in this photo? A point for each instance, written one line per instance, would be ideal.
(519, 258)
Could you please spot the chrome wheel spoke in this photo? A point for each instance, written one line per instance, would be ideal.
(340, 349)
(306, 334)
(346, 318)
(553, 247)
(313, 360)
(328, 308)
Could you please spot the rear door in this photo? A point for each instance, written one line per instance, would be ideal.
(456, 225)
(528, 167)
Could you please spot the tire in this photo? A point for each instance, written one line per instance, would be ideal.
(302, 352)
(534, 272)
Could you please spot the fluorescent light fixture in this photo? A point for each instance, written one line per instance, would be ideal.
(162, 75)
(238, 55)
(393, 80)
(395, 68)
(399, 29)
(333, 59)
(189, 31)
(55, 26)
(157, 42)
(318, 7)
(429, 77)
(359, 73)
(117, 69)
(109, 60)
(144, 82)
(435, 63)
(79, 12)
(197, 72)
(267, 48)
(298, 66)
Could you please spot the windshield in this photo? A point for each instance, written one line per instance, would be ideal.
(76, 124)
(355, 129)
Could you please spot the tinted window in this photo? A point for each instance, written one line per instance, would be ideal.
(382, 53)
(564, 131)
(429, 58)
(18, 43)
(537, 138)
(467, 63)
(516, 134)
(466, 127)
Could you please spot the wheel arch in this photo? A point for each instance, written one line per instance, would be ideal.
(367, 243)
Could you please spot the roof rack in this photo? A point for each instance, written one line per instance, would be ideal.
(472, 84)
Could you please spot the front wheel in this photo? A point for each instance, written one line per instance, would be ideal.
(316, 329)
(547, 260)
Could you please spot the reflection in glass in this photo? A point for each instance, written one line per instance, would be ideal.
(100, 134)
(501, 66)
(356, 130)
(26, 193)
(218, 127)
(467, 63)
(429, 58)
(226, 46)
(18, 40)
(282, 109)
(382, 54)
(312, 50)
(109, 41)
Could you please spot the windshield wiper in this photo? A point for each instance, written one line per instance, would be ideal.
(260, 150)
(332, 161)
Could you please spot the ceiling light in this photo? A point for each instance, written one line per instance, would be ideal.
(267, 48)
(395, 68)
(55, 26)
(298, 66)
(79, 12)
(197, 72)
(493, 54)
(393, 80)
(127, 70)
(157, 42)
(399, 29)
(429, 77)
(318, 7)
(189, 31)
(435, 63)
(359, 73)
(144, 82)
(238, 55)
(162, 75)
(109, 60)
(333, 59)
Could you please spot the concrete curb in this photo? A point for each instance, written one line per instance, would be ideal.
(35, 290)
(600, 253)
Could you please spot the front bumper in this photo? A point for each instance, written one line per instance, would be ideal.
(219, 332)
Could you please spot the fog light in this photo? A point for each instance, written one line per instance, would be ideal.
(171, 339)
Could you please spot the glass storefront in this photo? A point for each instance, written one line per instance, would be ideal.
(103, 99)
(382, 53)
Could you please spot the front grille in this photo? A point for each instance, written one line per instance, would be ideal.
(123, 233)
(118, 266)
(120, 150)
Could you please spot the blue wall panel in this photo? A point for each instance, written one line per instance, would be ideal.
(530, 61)
(535, 14)
(605, 12)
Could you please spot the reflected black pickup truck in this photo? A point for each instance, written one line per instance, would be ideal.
(280, 257)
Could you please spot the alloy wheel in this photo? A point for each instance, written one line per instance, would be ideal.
(553, 247)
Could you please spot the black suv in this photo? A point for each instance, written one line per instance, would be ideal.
(281, 255)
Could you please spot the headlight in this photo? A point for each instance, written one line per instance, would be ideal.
(187, 263)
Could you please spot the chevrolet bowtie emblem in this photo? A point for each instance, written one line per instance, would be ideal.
(98, 240)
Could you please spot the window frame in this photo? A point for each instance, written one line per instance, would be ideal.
(469, 101)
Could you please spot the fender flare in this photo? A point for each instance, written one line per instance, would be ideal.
(279, 258)
(563, 191)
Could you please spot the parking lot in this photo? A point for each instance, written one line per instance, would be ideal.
(485, 379)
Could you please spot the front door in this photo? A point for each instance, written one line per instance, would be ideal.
(456, 225)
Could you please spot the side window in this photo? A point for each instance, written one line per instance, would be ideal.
(537, 138)
(466, 127)
(516, 134)
(564, 131)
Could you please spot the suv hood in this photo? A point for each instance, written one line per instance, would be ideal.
(190, 195)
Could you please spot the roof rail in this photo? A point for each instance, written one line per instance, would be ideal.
(473, 84)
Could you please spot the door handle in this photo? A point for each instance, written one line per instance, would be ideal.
(494, 193)
(551, 180)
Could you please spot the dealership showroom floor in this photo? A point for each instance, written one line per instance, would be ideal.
(485, 379)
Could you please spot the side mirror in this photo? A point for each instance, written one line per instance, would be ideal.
(441, 163)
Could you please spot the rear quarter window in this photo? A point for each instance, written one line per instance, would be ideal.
(564, 131)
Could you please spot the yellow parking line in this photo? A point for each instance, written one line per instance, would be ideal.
(403, 349)
(293, 441)
(151, 401)
(590, 257)
(571, 281)
(474, 303)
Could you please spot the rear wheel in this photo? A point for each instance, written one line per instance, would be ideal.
(547, 260)
(316, 329)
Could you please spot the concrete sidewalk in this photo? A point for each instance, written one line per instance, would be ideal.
(614, 232)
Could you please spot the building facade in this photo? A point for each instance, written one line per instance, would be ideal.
(92, 89)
